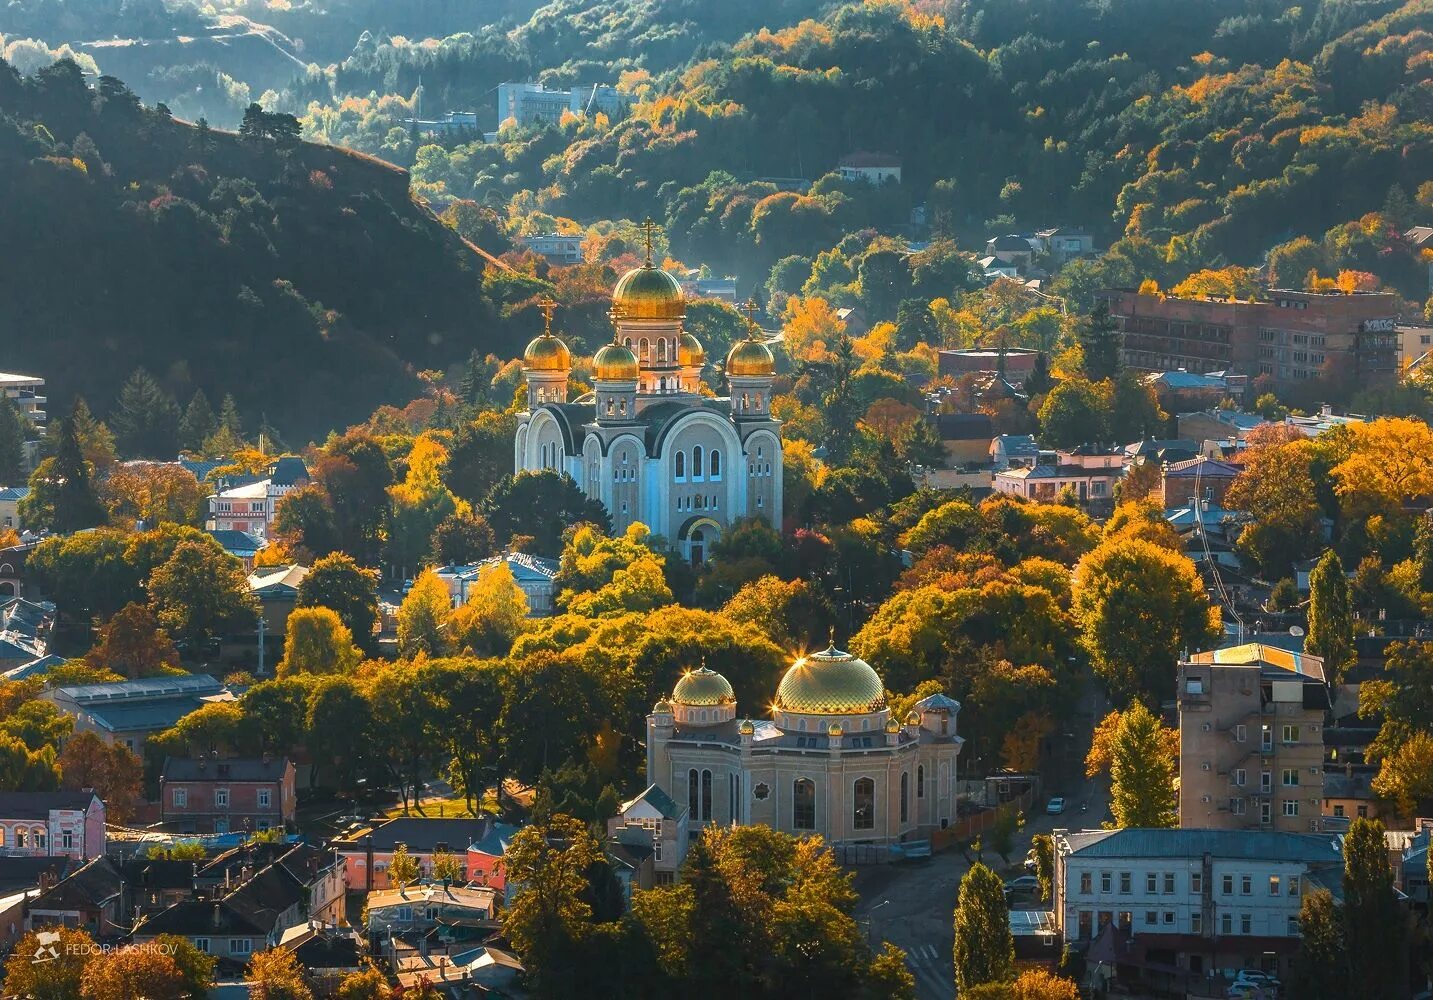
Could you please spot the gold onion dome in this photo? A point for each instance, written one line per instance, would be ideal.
(913, 718)
(746, 727)
(703, 687)
(831, 682)
(750, 357)
(615, 363)
(834, 729)
(892, 726)
(662, 707)
(648, 292)
(690, 353)
(547, 353)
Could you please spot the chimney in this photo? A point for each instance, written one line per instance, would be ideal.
(218, 919)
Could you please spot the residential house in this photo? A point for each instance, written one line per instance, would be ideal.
(242, 545)
(666, 824)
(854, 320)
(1415, 344)
(1349, 795)
(485, 856)
(533, 575)
(277, 590)
(1180, 391)
(1250, 739)
(422, 907)
(1014, 451)
(250, 506)
(50, 824)
(992, 267)
(27, 393)
(1091, 472)
(128, 712)
(1205, 480)
(366, 852)
(105, 895)
(10, 497)
(632, 858)
(328, 954)
(319, 870)
(1161, 450)
(1064, 243)
(1011, 249)
(557, 248)
(38, 667)
(16, 650)
(1209, 533)
(873, 168)
(966, 437)
(1229, 426)
(1174, 906)
(12, 569)
(220, 795)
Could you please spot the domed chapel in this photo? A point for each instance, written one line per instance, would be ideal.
(645, 442)
(831, 760)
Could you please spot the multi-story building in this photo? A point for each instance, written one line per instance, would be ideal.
(1291, 336)
(51, 824)
(558, 248)
(1188, 903)
(215, 795)
(367, 852)
(27, 393)
(250, 507)
(1250, 739)
(529, 103)
(128, 712)
(873, 168)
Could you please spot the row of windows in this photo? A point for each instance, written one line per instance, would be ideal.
(1152, 918)
(36, 837)
(1164, 883)
(180, 797)
(237, 946)
(680, 464)
(699, 503)
(1291, 733)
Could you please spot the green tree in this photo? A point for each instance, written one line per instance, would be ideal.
(1320, 970)
(62, 496)
(13, 432)
(1142, 792)
(1075, 412)
(542, 505)
(402, 868)
(549, 914)
(423, 617)
(461, 539)
(1290, 263)
(1374, 923)
(984, 947)
(1330, 616)
(146, 419)
(317, 642)
(339, 583)
(1138, 605)
(1100, 340)
(338, 727)
(197, 423)
(480, 455)
(1134, 412)
(304, 523)
(1044, 847)
(202, 592)
(26, 770)
(447, 868)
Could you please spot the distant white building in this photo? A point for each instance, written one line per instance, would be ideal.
(452, 122)
(251, 507)
(558, 248)
(27, 393)
(873, 168)
(533, 575)
(530, 103)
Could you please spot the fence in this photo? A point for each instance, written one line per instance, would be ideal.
(970, 827)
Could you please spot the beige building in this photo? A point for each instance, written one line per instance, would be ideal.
(1251, 739)
(831, 760)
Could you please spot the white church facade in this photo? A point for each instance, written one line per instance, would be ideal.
(646, 442)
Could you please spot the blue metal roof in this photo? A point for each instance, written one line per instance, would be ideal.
(1249, 845)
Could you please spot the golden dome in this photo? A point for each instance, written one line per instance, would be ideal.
(615, 363)
(662, 707)
(547, 353)
(648, 292)
(892, 726)
(703, 687)
(750, 357)
(746, 727)
(913, 718)
(834, 729)
(690, 353)
(832, 682)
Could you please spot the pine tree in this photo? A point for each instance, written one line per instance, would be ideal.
(1374, 924)
(229, 417)
(1330, 616)
(1100, 340)
(198, 423)
(12, 443)
(1141, 772)
(76, 505)
(1320, 970)
(984, 947)
(146, 419)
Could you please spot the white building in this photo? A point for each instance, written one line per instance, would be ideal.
(832, 760)
(647, 443)
(533, 575)
(251, 507)
(558, 248)
(27, 393)
(1194, 900)
(873, 168)
(528, 103)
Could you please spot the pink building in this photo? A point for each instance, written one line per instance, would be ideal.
(215, 795)
(49, 824)
(367, 852)
(485, 858)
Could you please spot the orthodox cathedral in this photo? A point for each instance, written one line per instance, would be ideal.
(646, 442)
(832, 760)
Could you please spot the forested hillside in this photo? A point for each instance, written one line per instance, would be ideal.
(302, 279)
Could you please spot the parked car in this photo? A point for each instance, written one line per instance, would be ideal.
(1250, 983)
(1055, 806)
(1025, 883)
(1030, 863)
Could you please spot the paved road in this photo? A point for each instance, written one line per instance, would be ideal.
(913, 906)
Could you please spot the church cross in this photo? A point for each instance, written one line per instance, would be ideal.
(649, 227)
(548, 307)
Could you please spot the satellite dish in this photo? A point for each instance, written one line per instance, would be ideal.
(1295, 631)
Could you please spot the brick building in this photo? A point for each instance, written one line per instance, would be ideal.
(213, 795)
(1292, 337)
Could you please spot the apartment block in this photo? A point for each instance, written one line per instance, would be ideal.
(1251, 739)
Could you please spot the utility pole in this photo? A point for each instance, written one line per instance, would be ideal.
(261, 645)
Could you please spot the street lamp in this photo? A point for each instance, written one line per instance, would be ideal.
(871, 922)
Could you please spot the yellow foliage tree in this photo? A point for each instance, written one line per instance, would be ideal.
(316, 641)
(811, 326)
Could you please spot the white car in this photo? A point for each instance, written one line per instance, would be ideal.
(1055, 806)
(1253, 983)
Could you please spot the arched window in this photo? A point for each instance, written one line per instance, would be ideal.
(40, 838)
(716, 464)
(2, 836)
(905, 795)
(681, 464)
(706, 796)
(611, 406)
(803, 804)
(697, 462)
(693, 793)
(19, 836)
(863, 810)
(731, 795)
(645, 349)
(661, 348)
(920, 782)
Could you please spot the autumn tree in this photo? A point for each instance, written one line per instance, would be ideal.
(548, 914)
(111, 769)
(419, 504)
(1142, 792)
(1387, 466)
(1405, 775)
(337, 582)
(62, 495)
(276, 974)
(1075, 412)
(493, 615)
(368, 983)
(984, 947)
(1330, 616)
(202, 592)
(792, 613)
(134, 644)
(1320, 970)
(25, 770)
(317, 642)
(132, 971)
(447, 868)
(423, 616)
(1044, 847)
(50, 971)
(402, 868)
(1276, 487)
(461, 539)
(1137, 606)
(196, 968)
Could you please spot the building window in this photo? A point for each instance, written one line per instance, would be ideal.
(715, 464)
(1226, 923)
(1105, 878)
(681, 461)
(694, 792)
(221, 797)
(1291, 734)
(1228, 885)
(1291, 776)
(1246, 885)
(1125, 881)
(1169, 917)
(1241, 733)
(905, 796)
(180, 798)
(1086, 883)
(1273, 885)
(1196, 922)
(1266, 738)
(803, 804)
(920, 786)
(697, 462)
(263, 798)
(1241, 776)
(1246, 923)
(67, 839)
(1169, 883)
(706, 795)
(1196, 882)
(1151, 882)
(1291, 807)
(1151, 918)
(863, 812)
(240, 946)
(1293, 885)
(41, 838)
(1266, 781)
(1363, 812)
